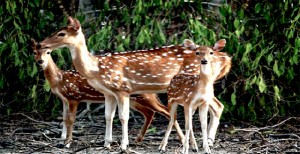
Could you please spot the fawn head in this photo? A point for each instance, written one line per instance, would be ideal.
(208, 56)
(41, 56)
(65, 36)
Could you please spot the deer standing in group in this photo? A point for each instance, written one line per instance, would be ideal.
(119, 75)
(72, 89)
(196, 91)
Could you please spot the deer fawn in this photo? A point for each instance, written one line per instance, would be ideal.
(120, 74)
(72, 89)
(196, 91)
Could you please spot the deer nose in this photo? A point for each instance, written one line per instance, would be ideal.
(204, 61)
(40, 61)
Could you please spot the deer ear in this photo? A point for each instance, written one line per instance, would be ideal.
(70, 21)
(189, 44)
(219, 45)
(74, 23)
(33, 43)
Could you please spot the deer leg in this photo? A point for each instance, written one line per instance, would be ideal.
(193, 141)
(64, 129)
(123, 108)
(173, 109)
(188, 111)
(203, 111)
(70, 120)
(215, 110)
(148, 116)
(110, 109)
(85, 111)
(153, 103)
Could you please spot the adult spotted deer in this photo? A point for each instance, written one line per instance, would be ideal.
(72, 89)
(196, 91)
(120, 74)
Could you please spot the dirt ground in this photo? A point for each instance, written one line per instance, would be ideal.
(29, 133)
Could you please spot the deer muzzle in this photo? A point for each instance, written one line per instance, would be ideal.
(40, 62)
(204, 62)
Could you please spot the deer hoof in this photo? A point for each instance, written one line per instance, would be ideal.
(195, 150)
(138, 139)
(60, 146)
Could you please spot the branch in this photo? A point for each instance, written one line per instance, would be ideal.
(264, 128)
(46, 123)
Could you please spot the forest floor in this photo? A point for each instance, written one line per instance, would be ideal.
(29, 133)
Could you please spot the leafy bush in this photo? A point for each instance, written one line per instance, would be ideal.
(21, 82)
(262, 38)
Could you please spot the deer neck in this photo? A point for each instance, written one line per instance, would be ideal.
(52, 72)
(84, 62)
(206, 76)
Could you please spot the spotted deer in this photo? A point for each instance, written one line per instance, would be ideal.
(196, 91)
(118, 75)
(72, 89)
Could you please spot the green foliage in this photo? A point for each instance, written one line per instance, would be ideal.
(267, 53)
(262, 37)
(21, 82)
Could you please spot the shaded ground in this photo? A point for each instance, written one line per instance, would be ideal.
(29, 133)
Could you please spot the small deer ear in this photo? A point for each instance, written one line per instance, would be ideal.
(70, 21)
(189, 44)
(33, 43)
(219, 45)
(74, 23)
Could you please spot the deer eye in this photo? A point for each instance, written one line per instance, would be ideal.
(61, 34)
(211, 53)
(48, 53)
(34, 52)
(197, 53)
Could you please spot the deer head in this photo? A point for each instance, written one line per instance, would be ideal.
(221, 61)
(65, 35)
(41, 56)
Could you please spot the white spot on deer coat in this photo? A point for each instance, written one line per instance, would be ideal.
(187, 51)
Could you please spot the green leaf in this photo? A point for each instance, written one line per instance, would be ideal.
(297, 43)
(256, 32)
(277, 93)
(162, 37)
(294, 59)
(34, 70)
(257, 8)
(152, 130)
(269, 58)
(141, 38)
(253, 80)
(241, 111)
(291, 34)
(14, 47)
(46, 86)
(236, 23)
(261, 84)
(16, 25)
(245, 58)
(233, 98)
(120, 48)
(33, 91)
(275, 69)
(262, 101)
(127, 41)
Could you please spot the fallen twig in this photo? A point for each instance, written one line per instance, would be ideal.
(284, 135)
(266, 145)
(46, 123)
(264, 128)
